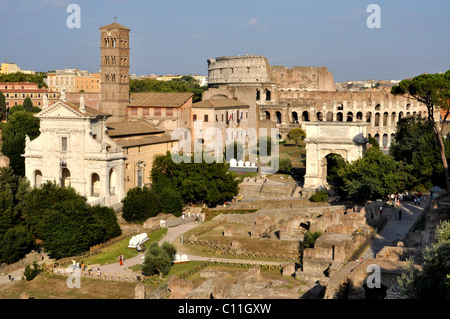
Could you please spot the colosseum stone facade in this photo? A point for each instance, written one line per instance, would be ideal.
(286, 98)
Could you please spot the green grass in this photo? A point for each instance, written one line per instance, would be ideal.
(111, 254)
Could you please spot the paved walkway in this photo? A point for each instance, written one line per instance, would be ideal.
(394, 228)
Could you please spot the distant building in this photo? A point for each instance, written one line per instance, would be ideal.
(141, 141)
(228, 116)
(16, 92)
(202, 80)
(166, 110)
(74, 80)
(8, 68)
(168, 77)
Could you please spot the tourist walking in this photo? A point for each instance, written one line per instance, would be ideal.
(400, 213)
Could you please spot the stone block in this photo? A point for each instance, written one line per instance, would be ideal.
(289, 270)
(139, 292)
(228, 231)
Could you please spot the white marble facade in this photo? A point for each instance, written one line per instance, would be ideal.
(74, 150)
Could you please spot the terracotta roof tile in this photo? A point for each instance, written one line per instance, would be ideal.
(157, 99)
(219, 103)
(119, 129)
(144, 140)
(114, 25)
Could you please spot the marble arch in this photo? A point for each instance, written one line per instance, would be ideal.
(347, 139)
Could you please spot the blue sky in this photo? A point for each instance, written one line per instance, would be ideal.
(178, 36)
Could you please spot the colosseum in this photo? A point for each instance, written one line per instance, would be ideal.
(287, 98)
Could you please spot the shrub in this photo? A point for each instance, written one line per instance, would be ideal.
(310, 239)
(140, 204)
(170, 201)
(15, 244)
(30, 273)
(157, 261)
(320, 196)
(285, 165)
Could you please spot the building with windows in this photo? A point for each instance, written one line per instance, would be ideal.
(74, 80)
(16, 92)
(226, 117)
(8, 68)
(91, 144)
(75, 150)
(166, 110)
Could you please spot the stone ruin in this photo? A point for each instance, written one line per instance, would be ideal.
(221, 285)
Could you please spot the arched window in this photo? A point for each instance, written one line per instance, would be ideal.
(385, 118)
(339, 117)
(95, 185)
(268, 95)
(377, 138)
(329, 117)
(305, 116)
(37, 178)
(319, 116)
(140, 174)
(294, 117)
(267, 115)
(359, 116)
(385, 140)
(278, 115)
(393, 118)
(112, 181)
(349, 117)
(377, 119)
(65, 178)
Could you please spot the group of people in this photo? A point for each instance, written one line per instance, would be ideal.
(255, 179)
(189, 215)
(82, 266)
(417, 200)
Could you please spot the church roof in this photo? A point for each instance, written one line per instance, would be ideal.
(157, 99)
(144, 140)
(89, 110)
(122, 129)
(219, 103)
(136, 133)
(114, 25)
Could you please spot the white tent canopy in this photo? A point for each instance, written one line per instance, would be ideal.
(137, 240)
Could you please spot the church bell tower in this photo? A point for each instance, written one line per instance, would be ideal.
(115, 71)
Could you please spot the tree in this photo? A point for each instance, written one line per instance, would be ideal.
(27, 104)
(433, 281)
(16, 243)
(65, 222)
(416, 145)
(296, 135)
(433, 90)
(310, 238)
(140, 204)
(170, 201)
(20, 124)
(203, 182)
(2, 107)
(371, 177)
(158, 260)
(285, 165)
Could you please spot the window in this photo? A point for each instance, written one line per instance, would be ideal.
(195, 117)
(64, 144)
(157, 111)
(206, 117)
(169, 112)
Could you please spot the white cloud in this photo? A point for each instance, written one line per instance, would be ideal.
(253, 21)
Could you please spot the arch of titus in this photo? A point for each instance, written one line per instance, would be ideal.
(323, 138)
